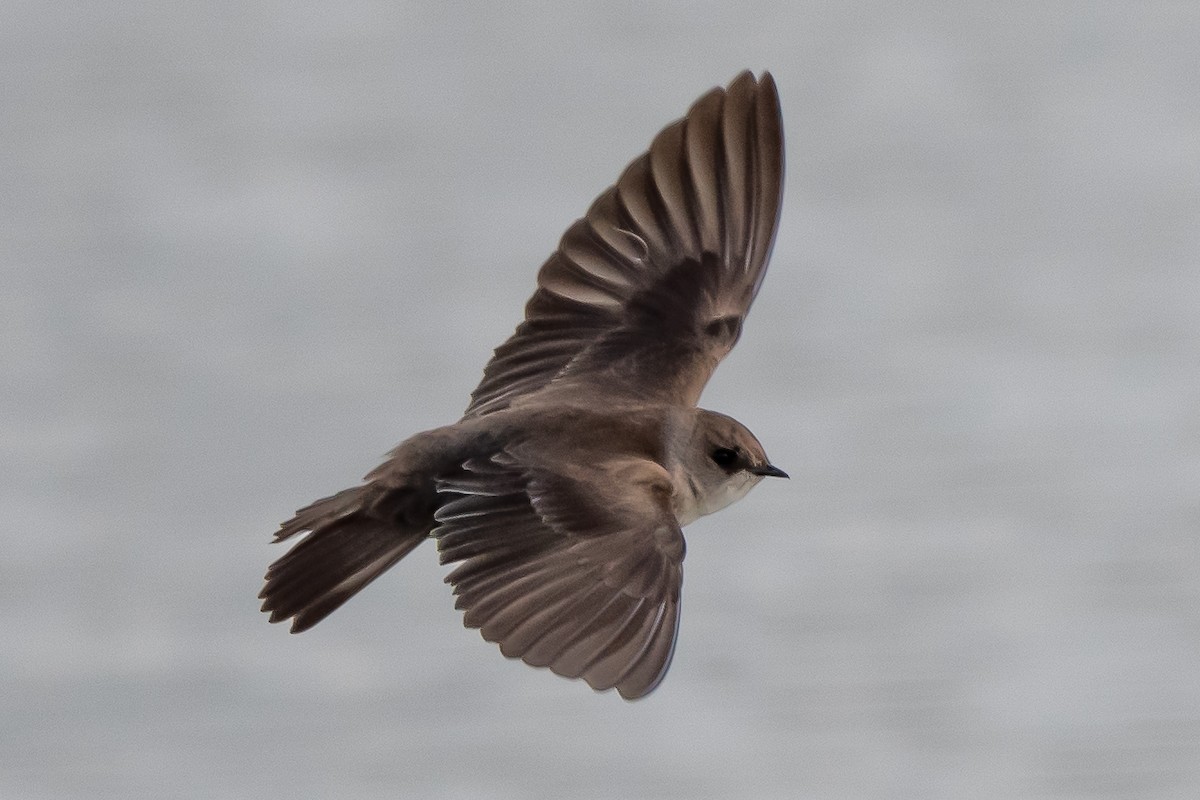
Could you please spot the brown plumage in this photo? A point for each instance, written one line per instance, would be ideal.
(562, 492)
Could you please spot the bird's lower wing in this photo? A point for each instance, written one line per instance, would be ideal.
(558, 581)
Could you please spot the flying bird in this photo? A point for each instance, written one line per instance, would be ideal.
(562, 491)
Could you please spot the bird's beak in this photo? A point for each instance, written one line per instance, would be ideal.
(768, 471)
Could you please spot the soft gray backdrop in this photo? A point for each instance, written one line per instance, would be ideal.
(247, 247)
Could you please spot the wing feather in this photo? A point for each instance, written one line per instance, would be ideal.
(669, 173)
(700, 206)
(559, 580)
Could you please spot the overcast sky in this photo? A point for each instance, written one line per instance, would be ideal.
(248, 247)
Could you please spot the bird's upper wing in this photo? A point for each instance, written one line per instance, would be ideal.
(561, 575)
(647, 292)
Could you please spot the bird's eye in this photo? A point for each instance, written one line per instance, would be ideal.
(724, 457)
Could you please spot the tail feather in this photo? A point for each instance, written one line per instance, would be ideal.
(320, 514)
(347, 547)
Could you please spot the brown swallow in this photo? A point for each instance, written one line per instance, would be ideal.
(563, 490)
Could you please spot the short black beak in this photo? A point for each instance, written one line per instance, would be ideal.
(769, 471)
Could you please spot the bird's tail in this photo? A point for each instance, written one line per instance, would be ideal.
(354, 537)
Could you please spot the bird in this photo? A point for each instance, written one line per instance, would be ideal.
(561, 493)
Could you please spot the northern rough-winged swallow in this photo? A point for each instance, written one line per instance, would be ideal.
(563, 489)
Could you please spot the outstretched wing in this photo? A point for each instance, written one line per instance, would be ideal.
(559, 576)
(647, 292)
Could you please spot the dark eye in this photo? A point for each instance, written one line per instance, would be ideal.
(724, 457)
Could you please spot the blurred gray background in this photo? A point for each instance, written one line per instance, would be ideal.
(248, 247)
